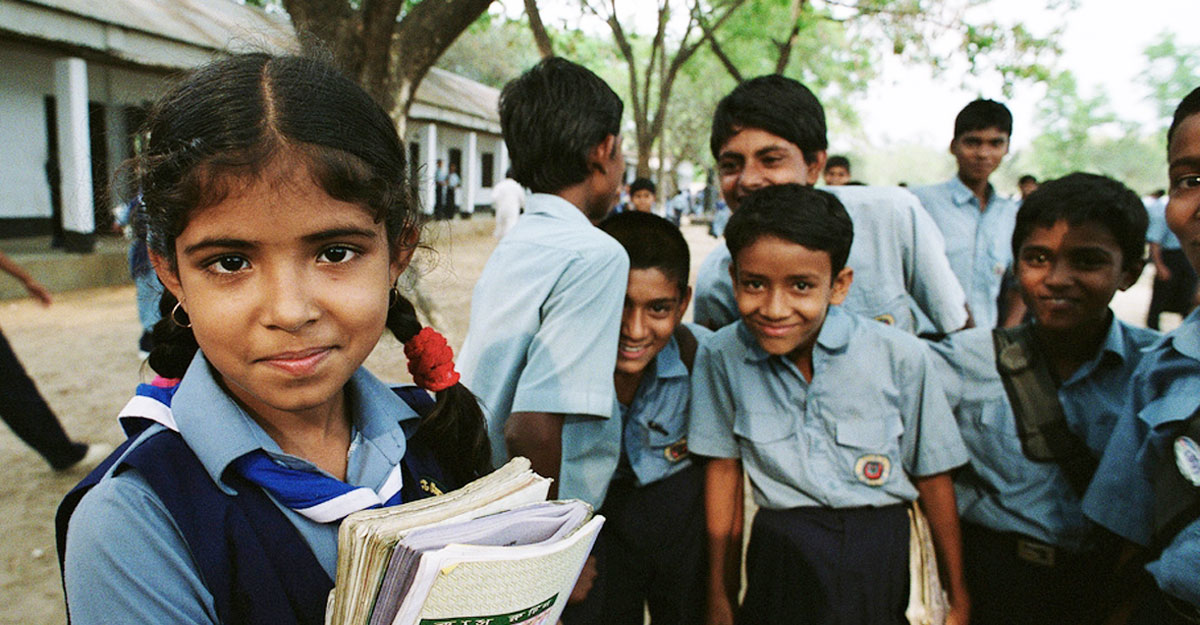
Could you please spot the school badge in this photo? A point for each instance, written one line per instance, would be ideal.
(1187, 458)
(431, 486)
(873, 469)
(886, 319)
(676, 451)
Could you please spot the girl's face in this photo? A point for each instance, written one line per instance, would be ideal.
(286, 289)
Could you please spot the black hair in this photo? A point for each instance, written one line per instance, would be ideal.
(643, 184)
(1188, 106)
(803, 215)
(776, 104)
(1078, 198)
(837, 161)
(1027, 178)
(551, 117)
(652, 243)
(224, 125)
(981, 115)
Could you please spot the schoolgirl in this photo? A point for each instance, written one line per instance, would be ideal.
(278, 218)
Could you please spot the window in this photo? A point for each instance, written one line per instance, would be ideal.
(487, 175)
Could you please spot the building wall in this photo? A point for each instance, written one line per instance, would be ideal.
(454, 138)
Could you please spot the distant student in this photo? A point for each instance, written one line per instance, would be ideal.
(977, 222)
(546, 311)
(508, 198)
(22, 406)
(837, 171)
(642, 195)
(1026, 184)
(1030, 555)
(771, 130)
(652, 548)
(1147, 487)
(838, 421)
(1174, 280)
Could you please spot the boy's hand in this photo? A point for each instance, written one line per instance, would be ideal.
(960, 612)
(720, 610)
(583, 585)
(1161, 272)
(38, 292)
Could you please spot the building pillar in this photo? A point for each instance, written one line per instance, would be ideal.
(503, 159)
(429, 188)
(471, 172)
(74, 154)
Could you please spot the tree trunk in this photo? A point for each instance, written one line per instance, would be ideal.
(544, 43)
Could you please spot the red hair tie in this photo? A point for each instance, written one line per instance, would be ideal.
(431, 361)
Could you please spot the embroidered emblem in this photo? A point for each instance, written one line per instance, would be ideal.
(431, 486)
(872, 469)
(886, 319)
(1187, 458)
(676, 451)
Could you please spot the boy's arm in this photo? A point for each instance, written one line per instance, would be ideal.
(1161, 271)
(35, 288)
(937, 502)
(538, 437)
(723, 512)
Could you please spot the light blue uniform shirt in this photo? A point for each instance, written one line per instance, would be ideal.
(545, 319)
(655, 436)
(1165, 392)
(898, 258)
(1001, 488)
(1157, 230)
(978, 243)
(127, 562)
(873, 414)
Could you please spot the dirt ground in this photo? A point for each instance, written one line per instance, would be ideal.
(82, 353)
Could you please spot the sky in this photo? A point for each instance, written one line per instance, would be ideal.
(1102, 45)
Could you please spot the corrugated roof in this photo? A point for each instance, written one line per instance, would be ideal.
(447, 90)
(212, 24)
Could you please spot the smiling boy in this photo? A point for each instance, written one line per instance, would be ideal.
(1030, 555)
(976, 221)
(771, 130)
(1147, 487)
(839, 422)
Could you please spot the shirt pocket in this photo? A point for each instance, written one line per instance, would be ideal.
(666, 435)
(989, 430)
(769, 445)
(870, 449)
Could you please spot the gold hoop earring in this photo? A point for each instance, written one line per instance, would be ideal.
(393, 297)
(178, 307)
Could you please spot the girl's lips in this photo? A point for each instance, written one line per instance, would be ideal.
(298, 363)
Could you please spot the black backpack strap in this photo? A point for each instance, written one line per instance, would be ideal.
(1033, 394)
(1176, 494)
(687, 346)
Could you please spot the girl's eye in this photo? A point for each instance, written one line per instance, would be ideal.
(336, 254)
(229, 264)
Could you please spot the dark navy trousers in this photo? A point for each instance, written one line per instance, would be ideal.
(24, 410)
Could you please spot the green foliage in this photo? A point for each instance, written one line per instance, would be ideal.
(1172, 71)
(493, 51)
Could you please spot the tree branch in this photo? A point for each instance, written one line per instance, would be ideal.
(785, 48)
(544, 43)
(420, 38)
(707, 35)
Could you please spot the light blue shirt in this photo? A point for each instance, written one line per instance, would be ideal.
(126, 561)
(1165, 392)
(1001, 488)
(897, 256)
(545, 319)
(1157, 230)
(978, 243)
(655, 435)
(873, 414)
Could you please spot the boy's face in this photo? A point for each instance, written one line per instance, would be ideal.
(1183, 203)
(642, 200)
(1026, 188)
(653, 308)
(783, 292)
(979, 153)
(837, 176)
(1069, 273)
(754, 158)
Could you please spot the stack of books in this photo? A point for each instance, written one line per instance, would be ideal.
(491, 553)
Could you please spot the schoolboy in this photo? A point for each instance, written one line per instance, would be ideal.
(1030, 555)
(1174, 280)
(837, 171)
(839, 422)
(1147, 485)
(976, 221)
(771, 130)
(651, 552)
(545, 313)
(1027, 184)
(642, 195)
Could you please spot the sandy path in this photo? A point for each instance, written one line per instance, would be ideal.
(82, 353)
